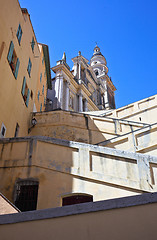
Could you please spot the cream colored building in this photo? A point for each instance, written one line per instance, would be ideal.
(20, 67)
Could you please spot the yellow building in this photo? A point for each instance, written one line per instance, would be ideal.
(44, 79)
(64, 159)
(20, 66)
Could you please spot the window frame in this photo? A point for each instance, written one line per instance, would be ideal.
(13, 60)
(26, 182)
(29, 67)
(19, 34)
(32, 44)
(25, 91)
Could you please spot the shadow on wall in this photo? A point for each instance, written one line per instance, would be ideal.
(70, 126)
(35, 173)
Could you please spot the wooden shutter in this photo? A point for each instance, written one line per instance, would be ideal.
(10, 53)
(19, 33)
(28, 94)
(23, 86)
(17, 68)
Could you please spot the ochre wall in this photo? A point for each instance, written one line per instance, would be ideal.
(41, 82)
(64, 168)
(137, 222)
(13, 108)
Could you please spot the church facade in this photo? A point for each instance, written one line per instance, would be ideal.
(86, 88)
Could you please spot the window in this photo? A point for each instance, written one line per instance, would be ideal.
(29, 67)
(31, 94)
(40, 107)
(38, 95)
(42, 60)
(43, 90)
(96, 73)
(19, 33)
(26, 194)
(16, 130)
(32, 44)
(25, 92)
(13, 60)
(40, 77)
(3, 131)
(45, 73)
(76, 199)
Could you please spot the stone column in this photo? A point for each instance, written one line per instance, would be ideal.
(79, 71)
(66, 96)
(85, 105)
(80, 103)
(59, 92)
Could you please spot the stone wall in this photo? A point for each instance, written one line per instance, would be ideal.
(65, 167)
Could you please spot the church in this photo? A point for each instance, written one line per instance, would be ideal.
(68, 158)
(86, 88)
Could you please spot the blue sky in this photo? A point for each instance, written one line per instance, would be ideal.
(125, 30)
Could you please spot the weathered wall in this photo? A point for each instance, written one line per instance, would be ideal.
(126, 218)
(80, 127)
(64, 167)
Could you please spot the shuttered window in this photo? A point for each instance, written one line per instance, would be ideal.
(19, 33)
(28, 95)
(32, 44)
(43, 90)
(17, 68)
(13, 60)
(10, 53)
(38, 95)
(29, 67)
(25, 92)
(40, 77)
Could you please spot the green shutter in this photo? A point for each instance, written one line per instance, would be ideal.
(17, 68)
(10, 53)
(23, 86)
(19, 33)
(28, 94)
(38, 95)
(32, 44)
(40, 77)
(29, 67)
(43, 90)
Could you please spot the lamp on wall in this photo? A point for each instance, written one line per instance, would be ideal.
(33, 122)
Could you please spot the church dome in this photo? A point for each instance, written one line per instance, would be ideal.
(98, 62)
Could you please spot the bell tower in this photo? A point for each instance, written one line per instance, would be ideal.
(106, 87)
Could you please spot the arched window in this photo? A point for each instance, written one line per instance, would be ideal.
(26, 194)
(96, 73)
(76, 199)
